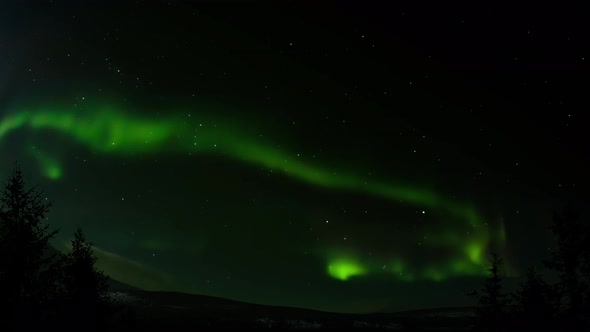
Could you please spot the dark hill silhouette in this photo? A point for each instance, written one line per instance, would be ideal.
(182, 311)
(189, 311)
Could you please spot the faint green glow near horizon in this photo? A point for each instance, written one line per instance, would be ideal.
(49, 166)
(111, 130)
(342, 267)
(399, 270)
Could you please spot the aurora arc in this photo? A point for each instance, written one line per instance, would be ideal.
(110, 130)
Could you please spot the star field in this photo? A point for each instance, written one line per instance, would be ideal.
(366, 162)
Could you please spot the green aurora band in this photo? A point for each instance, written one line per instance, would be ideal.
(109, 130)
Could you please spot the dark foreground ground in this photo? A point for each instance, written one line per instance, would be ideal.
(169, 311)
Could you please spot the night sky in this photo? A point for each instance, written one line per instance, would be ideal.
(343, 156)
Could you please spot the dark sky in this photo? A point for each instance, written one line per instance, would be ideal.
(343, 156)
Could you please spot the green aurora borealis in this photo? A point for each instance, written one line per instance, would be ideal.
(111, 131)
(348, 158)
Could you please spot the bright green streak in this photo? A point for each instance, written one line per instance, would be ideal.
(107, 130)
(111, 130)
(343, 269)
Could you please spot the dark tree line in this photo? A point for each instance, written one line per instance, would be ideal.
(537, 303)
(40, 285)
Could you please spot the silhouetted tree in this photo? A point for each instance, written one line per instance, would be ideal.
(492, 301)
(570, 260)
(25, 279)
(86, 290)
(536, 300)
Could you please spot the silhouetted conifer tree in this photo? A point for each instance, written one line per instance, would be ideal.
(492, 301)
(536, 300)
(570, 260)
(25, 280)
(85, 286)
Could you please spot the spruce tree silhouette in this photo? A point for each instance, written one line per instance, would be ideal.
(536, 300)
(85, 286)
(492, 301)
(25, 279)
(570, 260)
